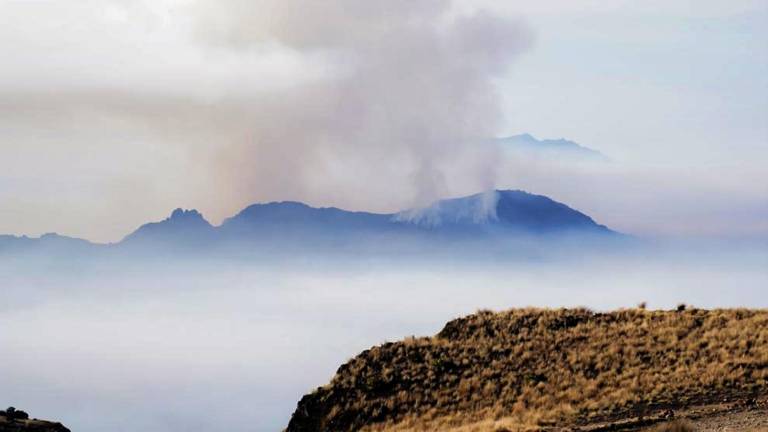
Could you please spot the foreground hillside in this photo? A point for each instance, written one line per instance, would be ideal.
(29, 425)
(547, 369)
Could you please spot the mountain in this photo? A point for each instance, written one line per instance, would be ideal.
(556, 370)
(506, 209)
(296, 219)
(491, 216)
(496, 216)
(552, 149)
(509, 209)
(185, 228)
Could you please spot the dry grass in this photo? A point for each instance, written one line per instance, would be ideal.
(675, 426)
(528, 369)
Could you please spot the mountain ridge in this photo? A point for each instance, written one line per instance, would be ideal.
(278, 224)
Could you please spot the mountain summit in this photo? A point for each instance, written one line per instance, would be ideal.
(512, 209)
(528, 145)
(184, 227)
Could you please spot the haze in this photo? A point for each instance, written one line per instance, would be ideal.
(189, 346)
(116, 112)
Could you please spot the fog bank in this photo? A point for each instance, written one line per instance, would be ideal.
(194, 346)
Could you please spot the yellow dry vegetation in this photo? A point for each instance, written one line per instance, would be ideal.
(528, 369)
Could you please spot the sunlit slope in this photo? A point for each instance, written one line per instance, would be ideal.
(532, 368)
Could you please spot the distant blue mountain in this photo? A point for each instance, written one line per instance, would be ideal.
(50, 242)
(495, 216)
(296, 225)
(291, 215)
(550, 148)
(183, 228)
(507, 209)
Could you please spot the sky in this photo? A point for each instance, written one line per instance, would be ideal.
(113, 113)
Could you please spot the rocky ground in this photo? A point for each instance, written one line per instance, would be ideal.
(728, 417)
(750, 415)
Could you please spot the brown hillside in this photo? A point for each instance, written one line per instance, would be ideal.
(541, 369)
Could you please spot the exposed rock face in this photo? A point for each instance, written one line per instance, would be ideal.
(539, 368)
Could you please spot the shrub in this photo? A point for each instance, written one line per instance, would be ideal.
(12, 413)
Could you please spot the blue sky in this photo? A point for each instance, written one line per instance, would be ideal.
(645, 85)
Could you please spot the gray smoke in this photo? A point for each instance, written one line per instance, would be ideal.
(412, 88)
(216, 104)
(480, 209)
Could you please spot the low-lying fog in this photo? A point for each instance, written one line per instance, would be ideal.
(232, 347)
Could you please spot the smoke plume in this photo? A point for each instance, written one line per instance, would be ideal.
(411, 90)
(217, 104)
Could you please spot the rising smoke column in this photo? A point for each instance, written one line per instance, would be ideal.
(410, 96)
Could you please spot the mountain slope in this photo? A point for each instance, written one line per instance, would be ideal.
(297, 220)
(299, 214)
(511, 209)
(540, 368)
